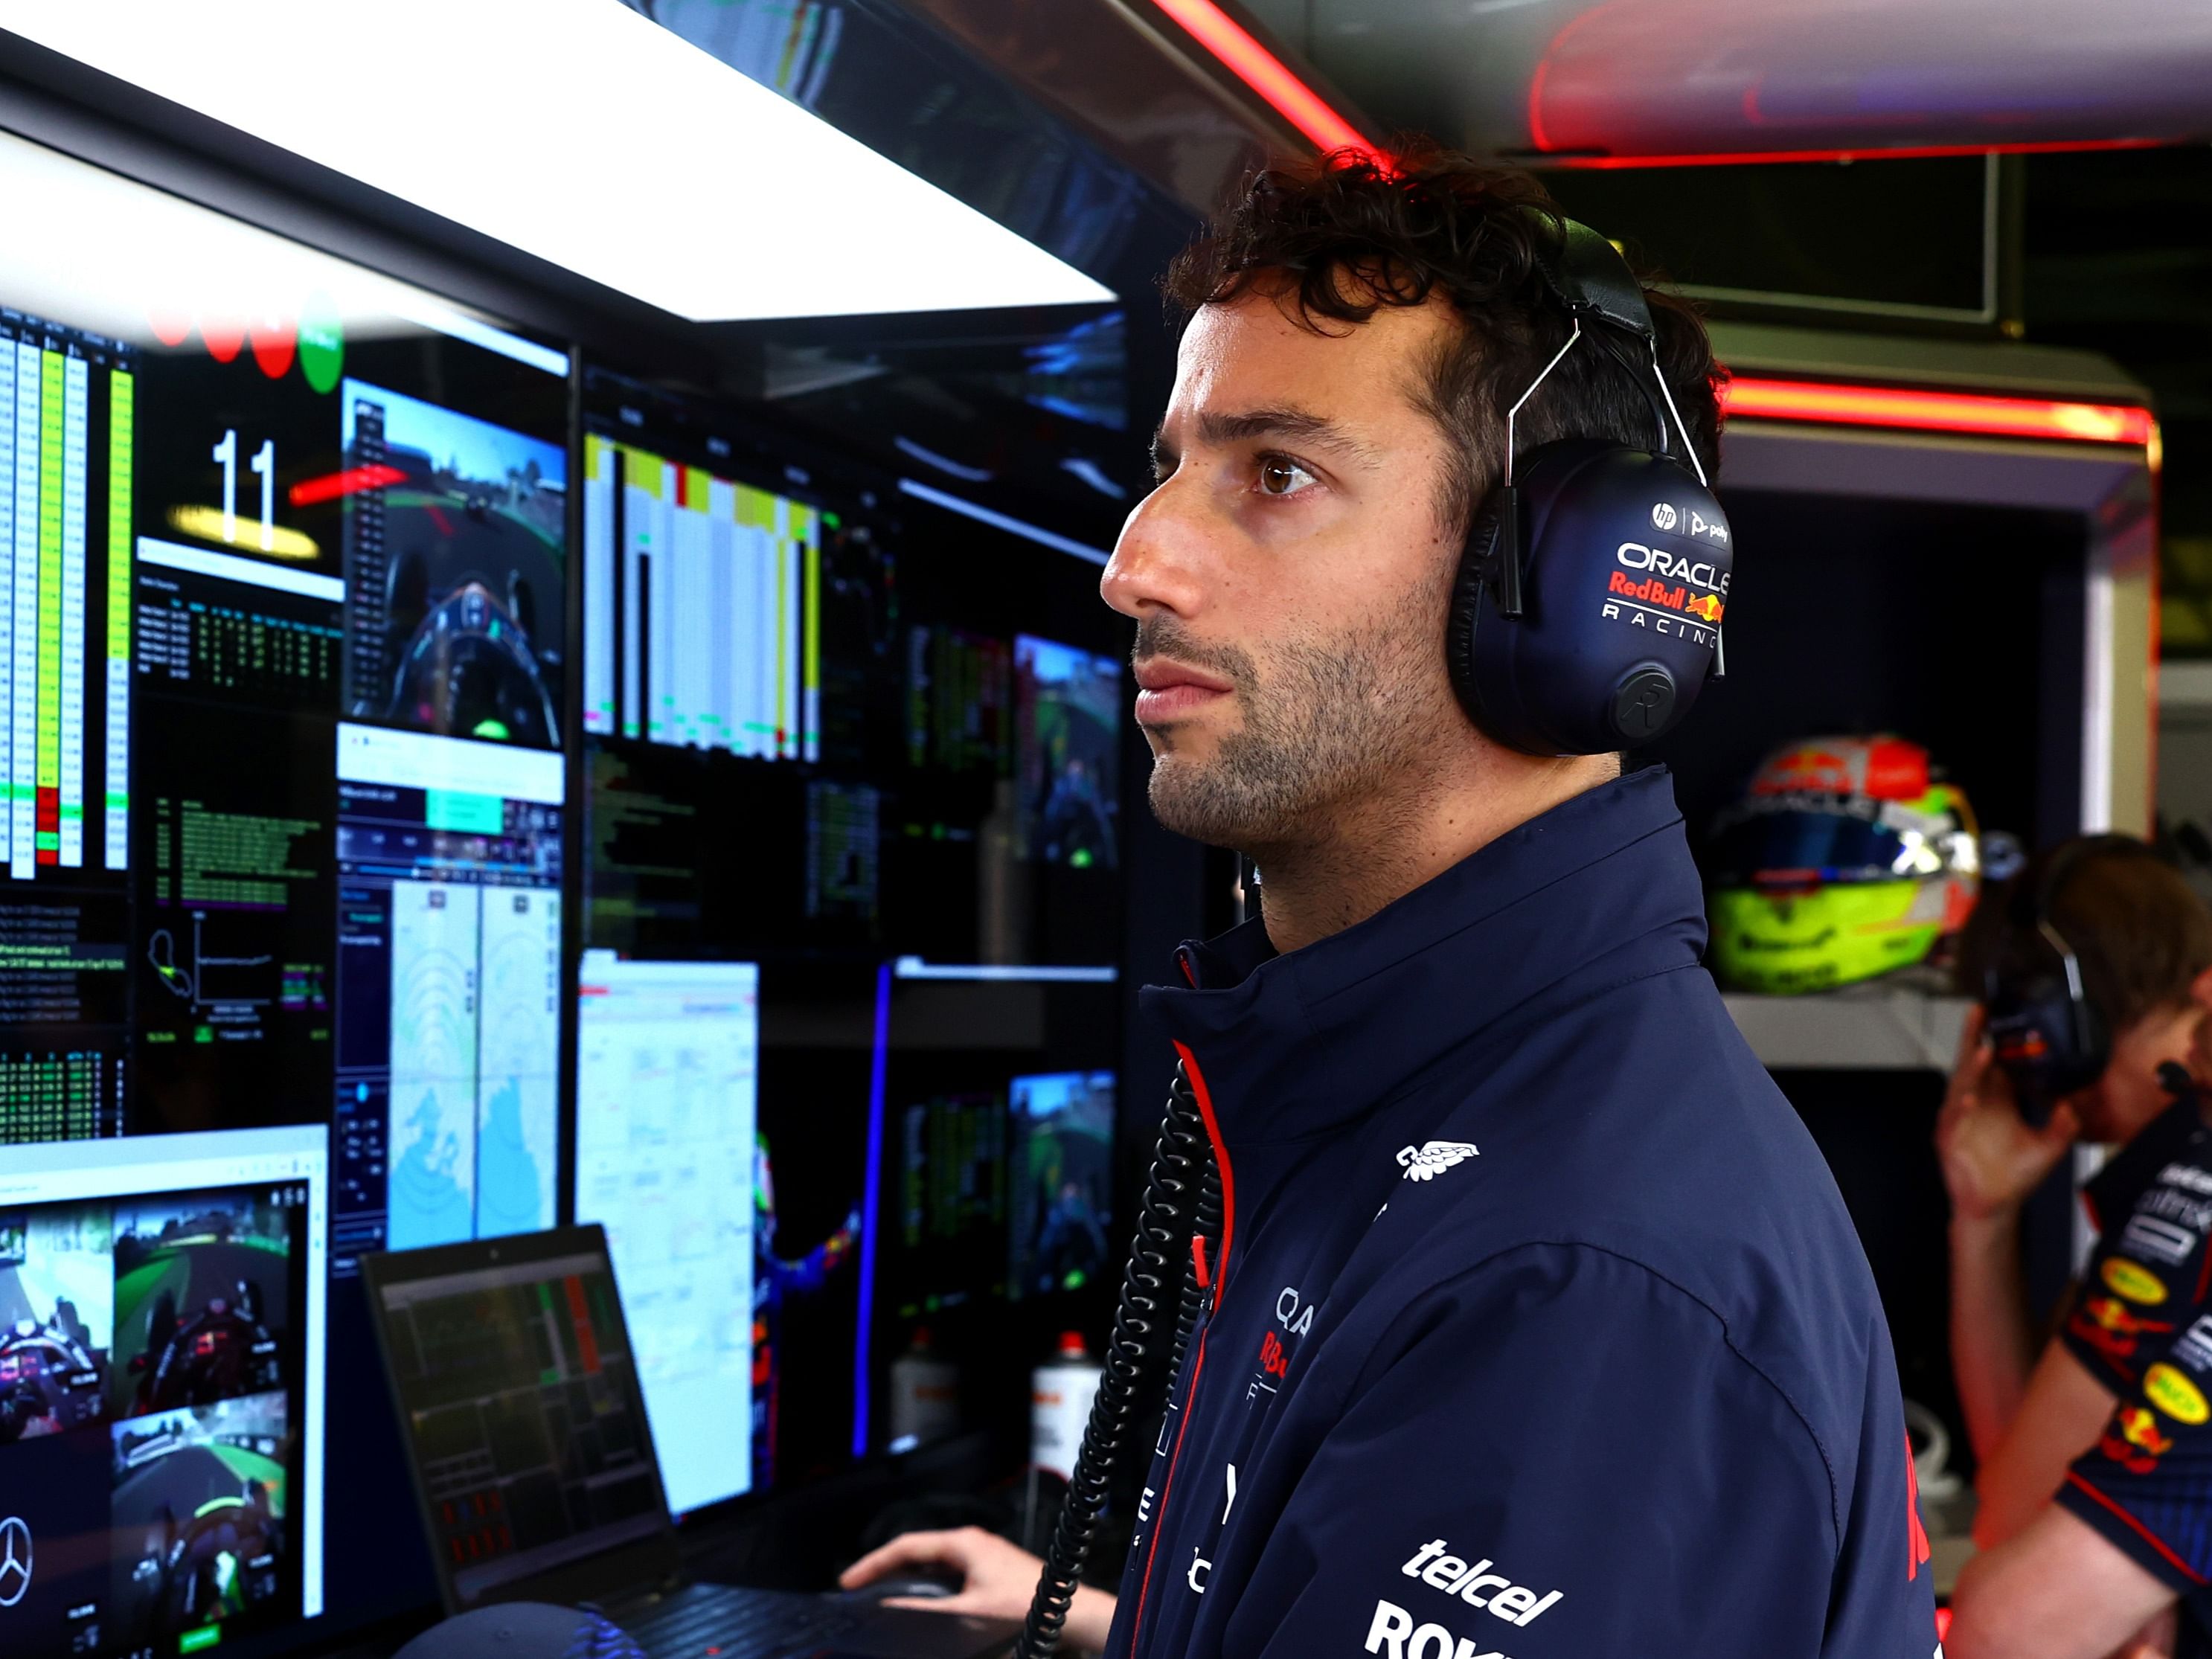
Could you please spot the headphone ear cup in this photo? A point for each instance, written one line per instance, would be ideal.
(1478, 561)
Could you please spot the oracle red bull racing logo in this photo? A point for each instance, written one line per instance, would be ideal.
(1675, 596)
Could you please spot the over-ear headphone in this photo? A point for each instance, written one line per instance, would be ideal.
(2049, 1038)
(1586, 614)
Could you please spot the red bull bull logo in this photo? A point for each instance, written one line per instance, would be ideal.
(2134, 1441)
(2110, 1326)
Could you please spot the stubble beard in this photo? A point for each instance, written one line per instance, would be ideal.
(1336, 730)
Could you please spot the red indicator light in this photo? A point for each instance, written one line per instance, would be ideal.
(274, 338)
(1827, 404)
(224, 335)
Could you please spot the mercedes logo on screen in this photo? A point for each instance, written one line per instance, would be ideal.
(15, 1560)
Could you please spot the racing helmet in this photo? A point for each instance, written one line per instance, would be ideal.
(1846, 857)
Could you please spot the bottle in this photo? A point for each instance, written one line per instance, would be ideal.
(1060, 1393)
(925, 1403)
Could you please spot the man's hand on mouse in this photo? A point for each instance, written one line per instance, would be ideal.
(997, 1580)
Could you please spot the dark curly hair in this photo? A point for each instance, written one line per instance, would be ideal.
(1344, 234)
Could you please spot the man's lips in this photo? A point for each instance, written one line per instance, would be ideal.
(1168, 691)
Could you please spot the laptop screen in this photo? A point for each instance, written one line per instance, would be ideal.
(519, 1390)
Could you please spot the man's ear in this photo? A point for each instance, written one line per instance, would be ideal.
(2200, 990)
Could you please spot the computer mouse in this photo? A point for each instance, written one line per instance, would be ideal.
(911, 1584)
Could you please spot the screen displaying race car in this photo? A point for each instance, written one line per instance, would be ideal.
(199, 1299)
(57, 1315)
(162, 1354)
(198, 1517)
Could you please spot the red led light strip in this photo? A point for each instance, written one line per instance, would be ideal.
(1902, 153)
(1265, 74)
(1827, 404)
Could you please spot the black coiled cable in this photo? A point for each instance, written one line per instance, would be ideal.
(1181, 1200)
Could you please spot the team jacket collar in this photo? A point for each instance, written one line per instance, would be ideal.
(1598, 890)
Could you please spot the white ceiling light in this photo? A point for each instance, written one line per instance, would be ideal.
(579, 131)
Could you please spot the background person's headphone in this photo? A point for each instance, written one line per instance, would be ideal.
(2049, 1038)
(1586, 614)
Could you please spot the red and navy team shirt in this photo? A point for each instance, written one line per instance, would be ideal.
(1539, 1330)
(2142, 1323)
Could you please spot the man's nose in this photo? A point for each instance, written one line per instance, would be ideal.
(1159, 557)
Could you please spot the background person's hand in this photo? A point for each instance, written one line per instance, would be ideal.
(1991, 1159)
(997, 1580)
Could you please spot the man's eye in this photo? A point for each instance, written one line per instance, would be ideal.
(1279, 476)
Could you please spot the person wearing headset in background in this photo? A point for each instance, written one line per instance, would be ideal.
(1536, 1325)
(2096, 1458)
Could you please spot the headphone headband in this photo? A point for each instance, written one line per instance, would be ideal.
(1587, 275)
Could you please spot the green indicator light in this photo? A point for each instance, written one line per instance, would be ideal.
(322, 343)
(205, 1636)
(205, 1034)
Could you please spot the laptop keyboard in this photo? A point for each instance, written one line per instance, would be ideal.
(718, 1621)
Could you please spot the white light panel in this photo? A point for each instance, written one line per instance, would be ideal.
(579, 131)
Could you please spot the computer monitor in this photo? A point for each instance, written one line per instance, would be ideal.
(744, 1293)
(702, 601)
(454, 533)
(1068, 725)
(739, 682)
(449, 989)
(162, 1362)
(1062, 1174)
(668, 1158)
(952, 1193)
(526, 1434)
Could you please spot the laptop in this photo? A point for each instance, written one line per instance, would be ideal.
(525, 1428)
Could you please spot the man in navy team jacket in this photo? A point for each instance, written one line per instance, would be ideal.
(1539, 1330)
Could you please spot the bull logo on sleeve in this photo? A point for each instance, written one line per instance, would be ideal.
(2133, 1442)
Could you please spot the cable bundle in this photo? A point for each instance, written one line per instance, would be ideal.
(1175, 1205)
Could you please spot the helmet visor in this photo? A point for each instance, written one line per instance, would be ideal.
(1799, 843)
